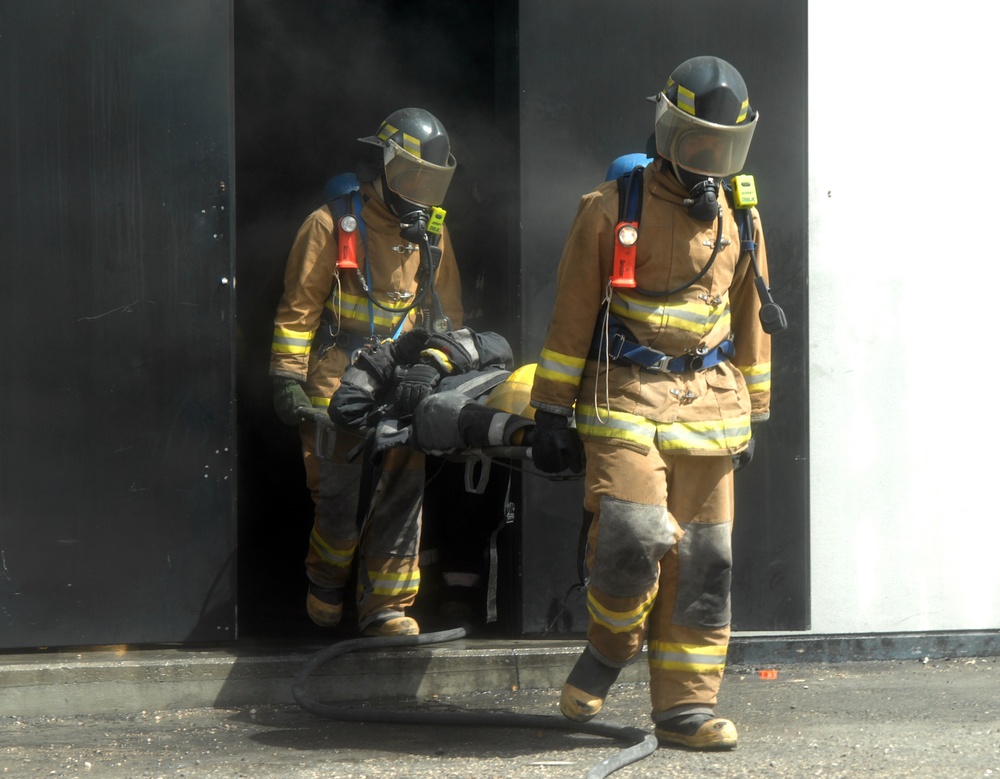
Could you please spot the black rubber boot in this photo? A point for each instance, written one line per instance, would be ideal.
(586, 687)
(698, 731)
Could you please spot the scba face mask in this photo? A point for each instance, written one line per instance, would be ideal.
(699, 146)
(416, 180)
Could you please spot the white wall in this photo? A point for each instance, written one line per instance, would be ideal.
(903, 276)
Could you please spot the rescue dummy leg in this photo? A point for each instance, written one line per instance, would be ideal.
(451, 421)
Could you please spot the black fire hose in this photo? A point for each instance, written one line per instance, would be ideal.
(642, 744)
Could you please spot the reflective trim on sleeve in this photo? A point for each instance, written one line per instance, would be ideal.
(687, 657)
(560, 367)
(692, 316)
(386, 583)
(287, 341)
(619, 621)
(758, 377)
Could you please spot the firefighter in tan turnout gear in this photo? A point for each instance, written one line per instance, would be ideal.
(372, 264)
(657, 348)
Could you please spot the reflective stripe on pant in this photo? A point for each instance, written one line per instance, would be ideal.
(390, 575)
(660, 560)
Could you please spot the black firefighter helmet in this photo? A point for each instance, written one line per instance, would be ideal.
(704, 122)
(417, 164)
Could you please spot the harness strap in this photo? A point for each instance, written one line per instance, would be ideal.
(349, 342)
(623, 348)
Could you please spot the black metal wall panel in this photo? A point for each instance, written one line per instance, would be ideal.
(585, 68)
(117, 450)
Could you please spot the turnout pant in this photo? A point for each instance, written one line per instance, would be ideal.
(387, 546)
(659, 555)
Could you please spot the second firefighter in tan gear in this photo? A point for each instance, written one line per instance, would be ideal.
(659, 437)
(325, 315)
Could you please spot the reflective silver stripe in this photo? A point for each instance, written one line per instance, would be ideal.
(497, 425)
(692, 316)
(615, 424)
(560, 367)
(394, 583)
(619, 621)
(679, 657)
(714, 434)
(291, 341)
(361, 379)
(464, 339)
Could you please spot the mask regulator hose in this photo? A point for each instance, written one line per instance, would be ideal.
(642, 744)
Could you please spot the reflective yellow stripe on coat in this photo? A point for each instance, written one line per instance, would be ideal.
(699, 317)
(708, 435)
(354, 308)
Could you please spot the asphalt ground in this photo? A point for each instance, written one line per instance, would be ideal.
(896, 718)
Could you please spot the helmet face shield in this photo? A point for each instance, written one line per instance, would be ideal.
(699, 146)
(414, 179)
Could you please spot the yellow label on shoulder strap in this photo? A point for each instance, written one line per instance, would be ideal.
(436, 221)
(744, 191)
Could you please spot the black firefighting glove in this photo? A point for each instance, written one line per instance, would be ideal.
(350, 406)
(453, 352)
(742, 459)
(406, 349)
(290, 400)
(555, 446)
(415, 384)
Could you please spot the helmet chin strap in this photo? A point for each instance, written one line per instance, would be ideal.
(703, 204)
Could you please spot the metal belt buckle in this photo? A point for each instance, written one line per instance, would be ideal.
(694, 361)
(616, 345)
(661, 366)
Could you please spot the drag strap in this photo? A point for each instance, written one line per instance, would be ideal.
(491, 589)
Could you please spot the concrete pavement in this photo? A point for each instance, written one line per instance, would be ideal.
(229, 712)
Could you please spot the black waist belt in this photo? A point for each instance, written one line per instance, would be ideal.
(623, 348)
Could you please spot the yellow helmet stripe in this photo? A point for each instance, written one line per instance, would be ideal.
(743, 111)
(685, 100)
